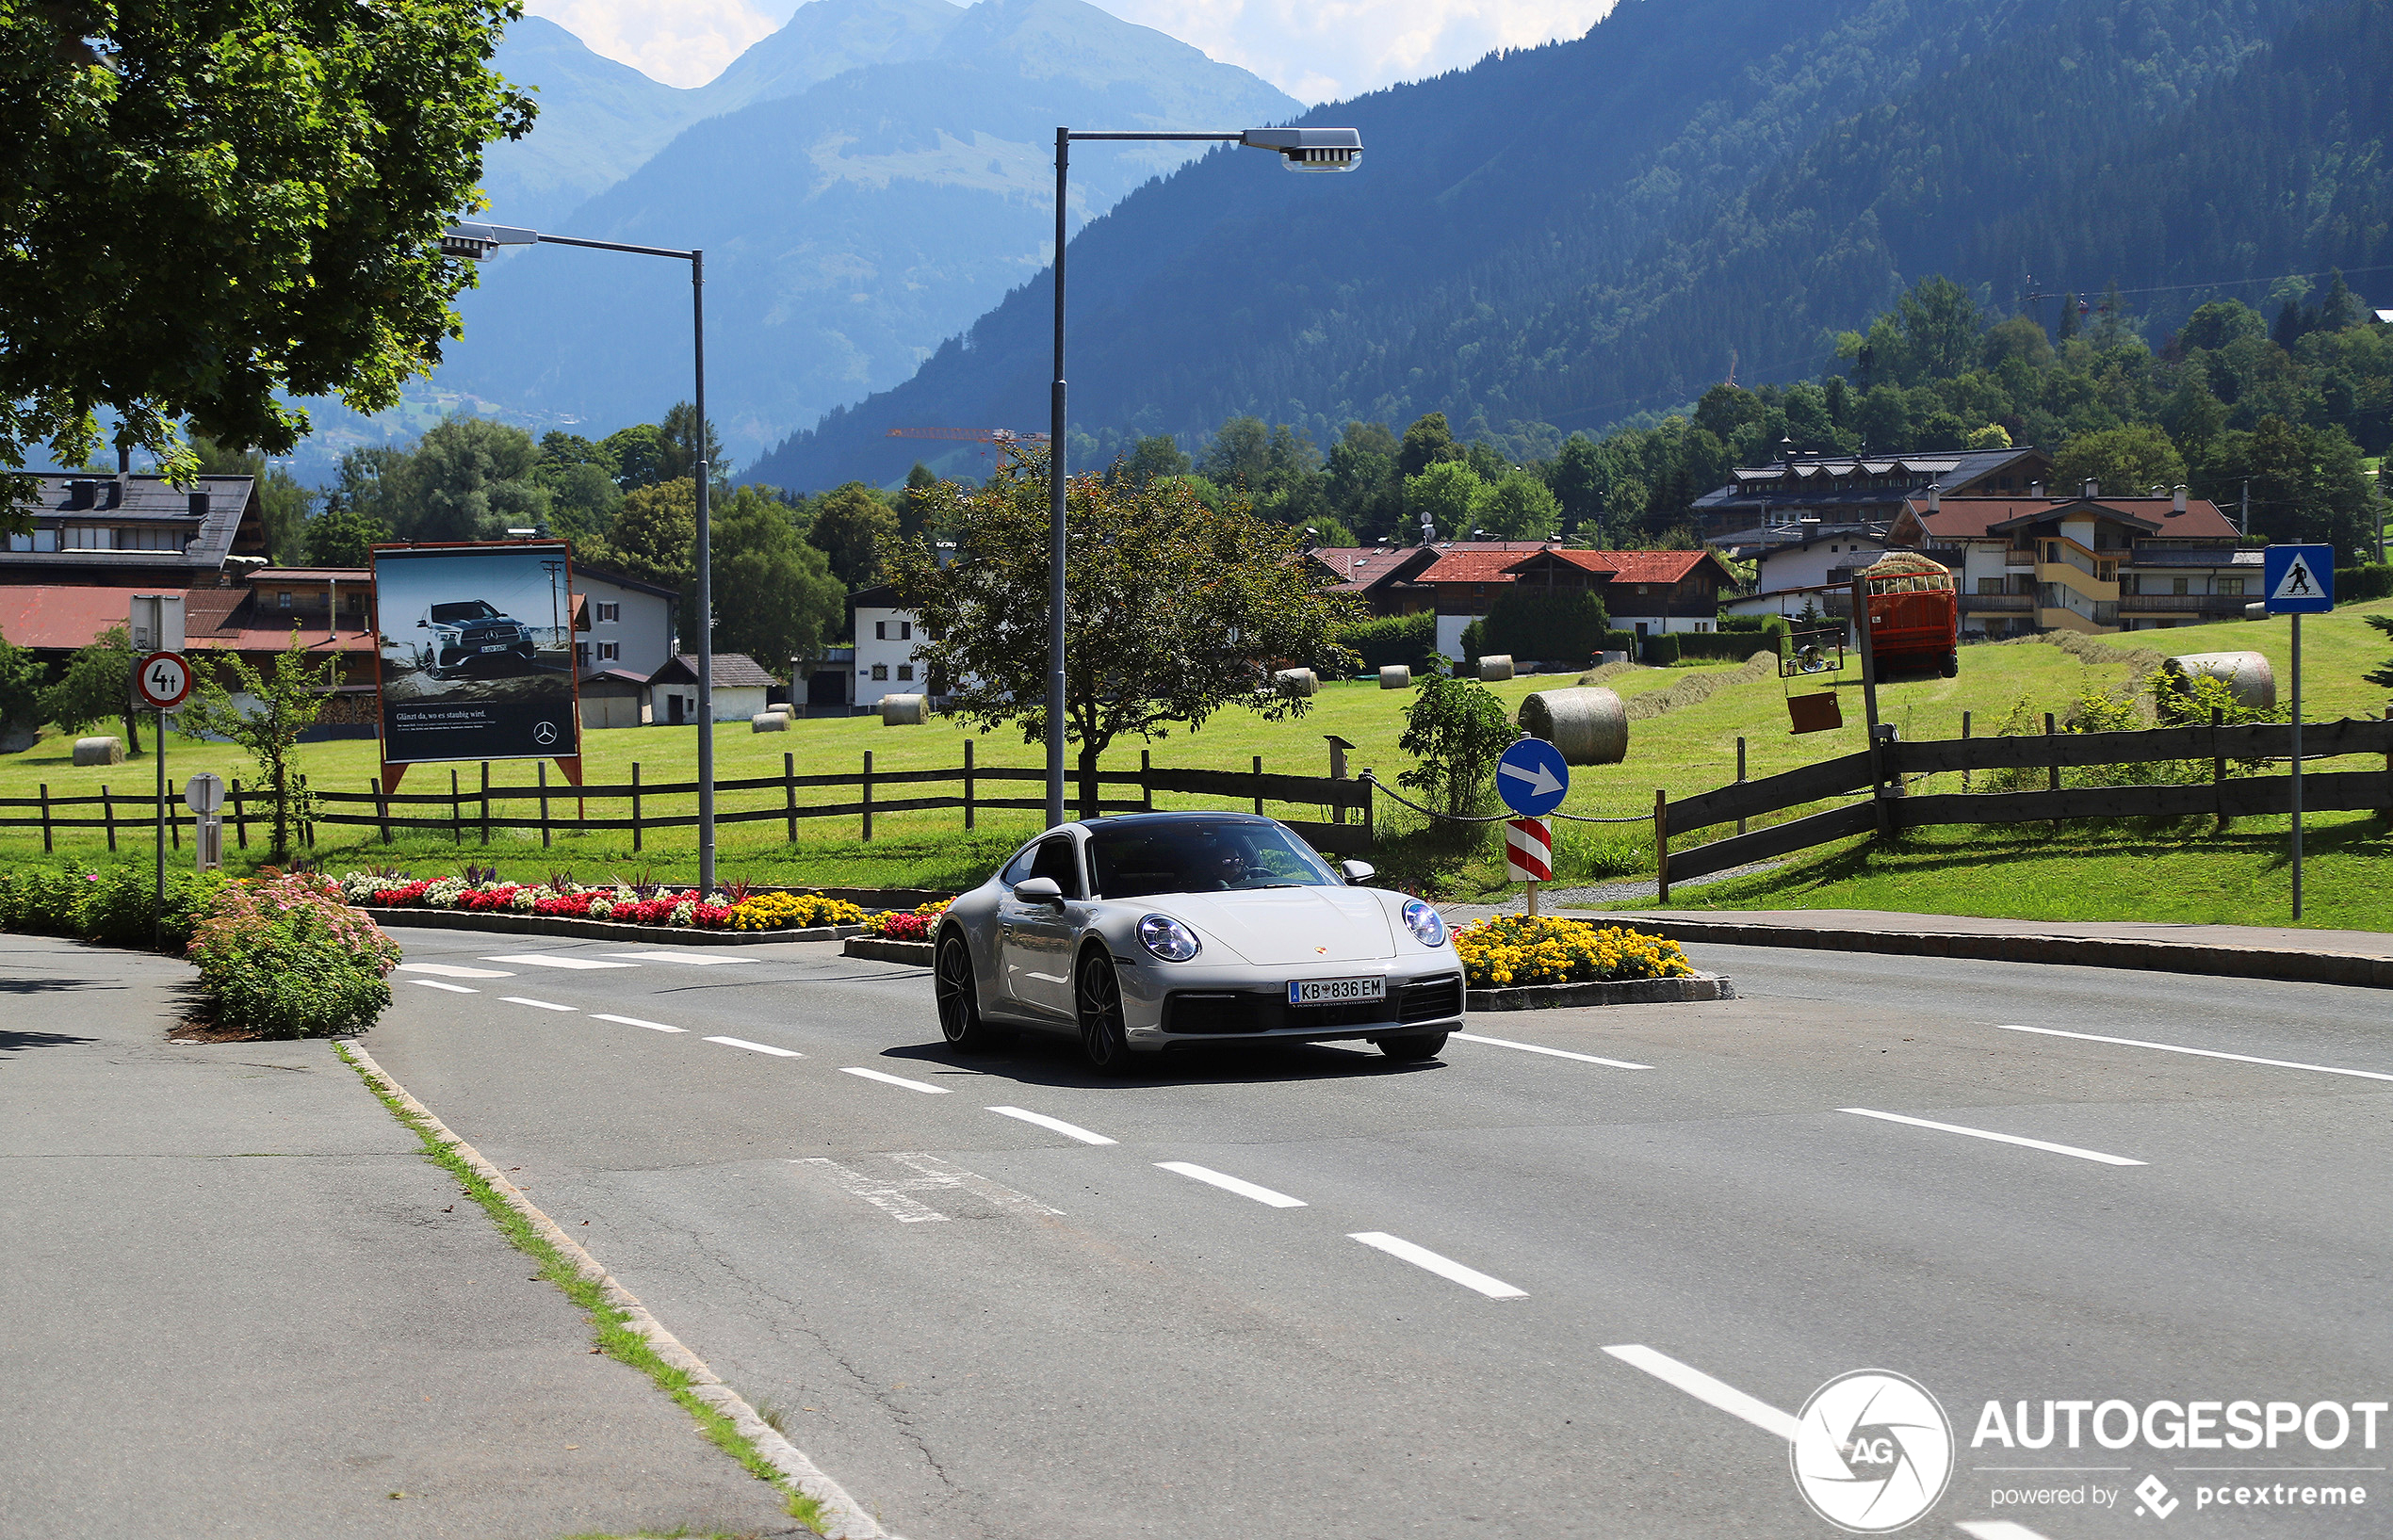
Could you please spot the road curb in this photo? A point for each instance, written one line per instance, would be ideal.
(1702, 986)
(846, 1517)
(2282, 965)
(499, 923)
(877, 950)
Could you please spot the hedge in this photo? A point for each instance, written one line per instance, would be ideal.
(1408, 640)
(2372, 582)
(1550, 626)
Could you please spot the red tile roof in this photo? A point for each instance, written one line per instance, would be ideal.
(61, 615)
(1483, 562)
(1972, 518)
(1640, 566)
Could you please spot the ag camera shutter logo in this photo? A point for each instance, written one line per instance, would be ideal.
(1872, 1451)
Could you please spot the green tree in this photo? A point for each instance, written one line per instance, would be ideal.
(272, 709)
(2220, 323)
(850, 526)
(2128, 461)
(681, 444)
(1455, 730)
(1577, 480)
(342, 537)
(1160, 586)
(775, 595)
(1520, 507)
(1451, 494)
(579, 479)
(1428, 441)
(372, 479)
(640, 456)
(283, 504)
(1327, 532)
(22, 696)
(1157, 454)
(97, 685)
(233, 204)
(2307, 484)
(470, 479)
(1360, 485)
(920, 500)
(655, 538)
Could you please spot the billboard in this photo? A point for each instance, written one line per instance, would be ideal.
(476, 651)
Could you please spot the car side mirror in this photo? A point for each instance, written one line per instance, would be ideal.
(1039, 890)
(1358, 872)
(423, 625)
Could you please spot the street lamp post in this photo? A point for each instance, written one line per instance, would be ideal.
(476, 242)
(1300, 149)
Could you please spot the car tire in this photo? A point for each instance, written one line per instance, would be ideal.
(958, 996)
(1098, 994)
(1413, 1046)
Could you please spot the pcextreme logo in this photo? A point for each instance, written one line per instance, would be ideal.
(1872, 1451)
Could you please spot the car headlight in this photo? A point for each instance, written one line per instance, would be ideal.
(1427, 925)
(1167, 939)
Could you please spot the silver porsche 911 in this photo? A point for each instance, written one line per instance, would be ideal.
(1159, 929)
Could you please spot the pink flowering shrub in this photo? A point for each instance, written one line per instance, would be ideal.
(282, 956)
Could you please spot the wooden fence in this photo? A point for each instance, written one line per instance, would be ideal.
(1884, 769)
(465, 812)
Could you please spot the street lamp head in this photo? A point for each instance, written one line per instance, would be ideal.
(1308, 148)
(475, 242)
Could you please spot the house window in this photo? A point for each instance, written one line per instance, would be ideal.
(88, 538)
(880, 630)
(880, 671)
(609, 651)
(2052, 551)
(581, 653)
(2105, 570)
(357, 603)
(2178, 585)
(905, 671)
(1990, 585)
(2231, 586)
(906, 633)
(282, 601)
(610, 612)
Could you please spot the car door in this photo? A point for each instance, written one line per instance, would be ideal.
(1034, 940)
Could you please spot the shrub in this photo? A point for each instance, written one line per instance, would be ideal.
(1454, 729)
(282, 956)
(1661, 650)
(1506, 950)
(1551, 626)
(112, 904)
(44, 900)
(2373, 580)
(1408, 640)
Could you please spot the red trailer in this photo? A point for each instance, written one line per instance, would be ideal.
(1914, 617)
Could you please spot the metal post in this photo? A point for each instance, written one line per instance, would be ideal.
(706, 582)
(1055, 540)
(157, 913)
(2297, 765)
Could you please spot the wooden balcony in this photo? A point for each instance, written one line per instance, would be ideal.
(2183, 604)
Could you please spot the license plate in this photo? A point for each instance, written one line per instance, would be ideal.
(1335, 991)
(495, 647)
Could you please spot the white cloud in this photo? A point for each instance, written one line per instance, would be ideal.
(1316, 51)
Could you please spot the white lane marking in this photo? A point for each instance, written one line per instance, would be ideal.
(544, 1005)
(1069, 1130)
(1444, 1267)
(1232, 1184)
(897, 1079)
(1998, 1529)
(1558, 1053)
(892, 1195)
(1999, 1138)
(751, 1048)
(635, 1021)
(450, 970)
(2202, 1053)
(435, 983)
(681, 957)
(553, 960)
(1705, 1388)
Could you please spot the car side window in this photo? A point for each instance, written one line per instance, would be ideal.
(1018, 871)
(1055, 859)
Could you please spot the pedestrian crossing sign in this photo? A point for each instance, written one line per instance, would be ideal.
(2299, 580)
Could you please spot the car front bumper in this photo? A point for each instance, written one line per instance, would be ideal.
(1169, 1005)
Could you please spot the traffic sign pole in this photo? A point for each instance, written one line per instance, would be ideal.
(2298, 580)
(158, 912)
(2297, 765)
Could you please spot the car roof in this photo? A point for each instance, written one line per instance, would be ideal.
(1121, 821)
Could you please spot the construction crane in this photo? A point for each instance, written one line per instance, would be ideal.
(1005, 437)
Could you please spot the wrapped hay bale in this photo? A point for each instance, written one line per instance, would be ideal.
(99, 751)
(1297, 682)
(1495, 666)
(2247, 675)
(1589, 726)
(1396, 677)
(904, 710)
(769, 721)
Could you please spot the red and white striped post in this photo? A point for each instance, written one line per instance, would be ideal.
(1528, 853)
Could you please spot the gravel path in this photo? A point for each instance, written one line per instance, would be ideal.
(1587, 898)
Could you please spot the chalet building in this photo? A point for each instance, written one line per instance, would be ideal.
(2085, 562)
(137, 532)
(1807, 556)
(1857, 489)
(740, 690)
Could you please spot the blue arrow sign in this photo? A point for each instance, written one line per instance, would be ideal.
(2298, 580)
(1532, 778)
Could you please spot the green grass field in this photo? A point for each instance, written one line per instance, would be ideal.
(1690, 750)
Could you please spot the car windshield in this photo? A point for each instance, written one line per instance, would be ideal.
(477, 609)
(1135, 860)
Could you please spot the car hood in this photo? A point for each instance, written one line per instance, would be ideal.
(1276, 926)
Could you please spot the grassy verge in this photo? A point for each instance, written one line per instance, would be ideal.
(2180, 873)
(610, 1326)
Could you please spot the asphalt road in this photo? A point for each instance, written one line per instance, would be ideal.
(1508, 1292)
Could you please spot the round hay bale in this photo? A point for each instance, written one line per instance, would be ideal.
(1298, 682)
(904, 710)
(1496, 666)
(1396, 677)
(769, 721)
(99, 751)
(2247, 675)
(1588, 724)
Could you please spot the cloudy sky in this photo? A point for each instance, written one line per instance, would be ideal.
(1316, 51)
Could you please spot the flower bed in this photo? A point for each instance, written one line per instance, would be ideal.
(284, 956)
(1509, 951)
(891, 925)
(478, 890)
